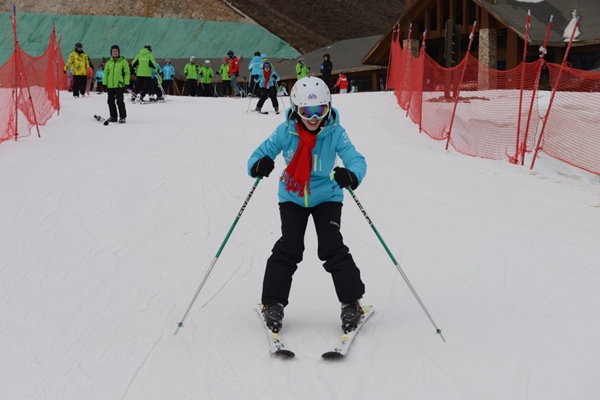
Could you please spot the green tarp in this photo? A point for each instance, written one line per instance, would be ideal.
(169, 37)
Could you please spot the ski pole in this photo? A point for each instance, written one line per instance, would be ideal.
(249, 102)
(214, 261)
(410, 286)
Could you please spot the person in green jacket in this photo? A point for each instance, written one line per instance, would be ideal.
(224, 72)
(191, 71)
(301, 69)
(116, 78)
(143, 64)
(206, 74)
(78, 62)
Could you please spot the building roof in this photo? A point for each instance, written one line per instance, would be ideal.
(346, 56)
(513, 14)
(169, 37)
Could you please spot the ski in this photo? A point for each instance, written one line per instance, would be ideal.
(276, 343)
(149, 101)
(343, 345)
(101, 119)
(261, 112)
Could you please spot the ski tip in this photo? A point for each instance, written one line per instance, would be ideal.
(285, 353)
(332, 355)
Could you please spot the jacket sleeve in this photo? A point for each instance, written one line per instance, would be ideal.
(271, 147)
(352, 159)
(126, 73)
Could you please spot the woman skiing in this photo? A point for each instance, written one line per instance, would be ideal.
(310, 140)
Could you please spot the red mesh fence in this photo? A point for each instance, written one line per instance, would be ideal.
(495, 114)
(29, 89)
(572, 130)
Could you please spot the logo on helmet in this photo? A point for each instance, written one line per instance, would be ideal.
(312, 96)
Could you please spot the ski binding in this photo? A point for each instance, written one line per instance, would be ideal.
(343, 345)
(276, 343)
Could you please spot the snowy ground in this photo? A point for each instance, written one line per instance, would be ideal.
(106, 232)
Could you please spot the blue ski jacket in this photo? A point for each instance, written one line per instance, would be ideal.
(168, 72)
(332, 142)
(255, 65)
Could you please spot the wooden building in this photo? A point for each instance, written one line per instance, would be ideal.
(500, 31)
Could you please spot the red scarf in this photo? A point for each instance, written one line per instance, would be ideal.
(267, 77)
(297, 173)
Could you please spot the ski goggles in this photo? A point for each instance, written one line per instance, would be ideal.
(310, 112)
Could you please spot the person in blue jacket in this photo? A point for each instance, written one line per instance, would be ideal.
(267, 84)
(311, 140)
(168, 75)
(99, 78)
(254, 66)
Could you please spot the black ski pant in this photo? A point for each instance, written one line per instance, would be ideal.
(115, 100)
(288, 250)
(143, 86)
(191, 85)
(79, 84)
(268, 93)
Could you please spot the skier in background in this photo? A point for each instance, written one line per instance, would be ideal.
(78, 62)
(267, 83)
(116, 79)
(89, 77)
(234, 72)
(99, 78)
(326, 68)
(254, 67)
(311, 131)
(206, 75)
(144, 63)
(282, 90)
(342, 83)
(224, 72)
(191, 71)
(168, 75)
(301, 69)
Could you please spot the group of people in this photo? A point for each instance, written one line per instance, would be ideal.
(326, 68)
(144, 76)
(116, 77)
(199, 79)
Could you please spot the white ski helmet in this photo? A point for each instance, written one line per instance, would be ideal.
(310, 91)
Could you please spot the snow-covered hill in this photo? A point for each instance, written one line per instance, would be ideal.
(106, 232)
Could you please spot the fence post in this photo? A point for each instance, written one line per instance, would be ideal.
(543, 52)
(554, 89)
(515, 159)
(466, 61)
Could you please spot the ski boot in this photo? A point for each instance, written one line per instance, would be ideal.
(351, 314)
(111, 119)
(122, 121)
(273, 314)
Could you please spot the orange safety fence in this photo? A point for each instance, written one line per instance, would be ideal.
(495, 114)
(29, 88)
(572, 132)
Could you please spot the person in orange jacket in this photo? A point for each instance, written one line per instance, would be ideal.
(342, 83)
(234, 72)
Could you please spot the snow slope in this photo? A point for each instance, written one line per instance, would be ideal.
(106, 232)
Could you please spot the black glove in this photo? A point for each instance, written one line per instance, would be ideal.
(344, 177)
(262, 167)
